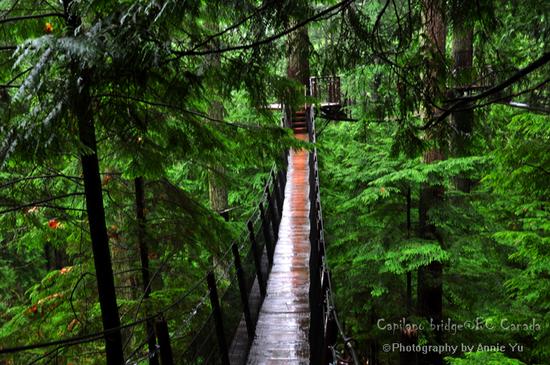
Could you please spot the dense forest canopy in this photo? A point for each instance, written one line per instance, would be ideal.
(135, 141)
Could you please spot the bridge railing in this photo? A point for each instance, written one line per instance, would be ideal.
(227, 333)
(218, 328)
(326, 89)
(329, 343)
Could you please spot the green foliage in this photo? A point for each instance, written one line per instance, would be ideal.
(155, 70)
(486, 358)
(411, 256)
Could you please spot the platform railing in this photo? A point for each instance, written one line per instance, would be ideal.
(326, 89)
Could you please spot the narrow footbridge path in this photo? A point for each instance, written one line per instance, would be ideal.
(283, 325)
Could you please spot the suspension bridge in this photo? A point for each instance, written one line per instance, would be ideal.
(273, 304)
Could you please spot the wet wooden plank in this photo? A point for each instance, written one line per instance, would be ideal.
(283, 325)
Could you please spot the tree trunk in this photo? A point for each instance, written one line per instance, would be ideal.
(217, 187)
(82, 110)
(298, 56)
(56, 258)
(408, 337)
(409, 274)
(462, 120)
(96, 216)
(139, 187)
(430, 277)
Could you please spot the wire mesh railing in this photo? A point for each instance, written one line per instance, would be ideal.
(219, 328)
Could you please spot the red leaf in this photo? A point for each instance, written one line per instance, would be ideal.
(53, 223)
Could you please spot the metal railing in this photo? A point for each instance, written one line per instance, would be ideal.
(326, 89)
(324, 317)
(225, 337)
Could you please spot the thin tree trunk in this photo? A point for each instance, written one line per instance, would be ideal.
(217, 187)
(408, 337)
(139, 187)
(409, 274)
(462, 120)
(96, 217)
(81, 107)
(56, 258)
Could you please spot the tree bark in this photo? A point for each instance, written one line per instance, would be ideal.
(298, 56)
(408, 337)
(56, 258)
(82, 109)
(96, 216)
(139, 187)
(430, 277)
(217, 187)
(462, 120)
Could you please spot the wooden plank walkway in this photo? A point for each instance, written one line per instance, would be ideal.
(283, 325)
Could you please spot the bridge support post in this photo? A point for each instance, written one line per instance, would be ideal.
(217, 313)
(272, 207)
(277, 192)
(242, 290)
(267, 236)
(257, 258)
(161, 329)
(282, 184)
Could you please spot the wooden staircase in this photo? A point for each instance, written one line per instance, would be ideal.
(298, 122)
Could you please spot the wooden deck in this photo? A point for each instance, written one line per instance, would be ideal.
(283, 325)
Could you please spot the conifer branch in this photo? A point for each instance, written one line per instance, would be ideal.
(335, 8)
(30, 17)
(543, 60)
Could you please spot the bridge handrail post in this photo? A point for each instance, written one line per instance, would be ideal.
(282, 185)
(257, 258)
(330, 333)
(267, 235)
(277, 193)
(242, 289)
(163, 336)
(272, 208)
(218, 320)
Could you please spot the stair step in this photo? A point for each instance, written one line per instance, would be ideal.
(299, 130)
